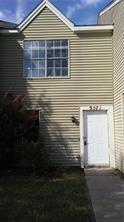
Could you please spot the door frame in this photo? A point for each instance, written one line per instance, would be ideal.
(109, 110)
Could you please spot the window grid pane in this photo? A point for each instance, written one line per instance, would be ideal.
(48, 58)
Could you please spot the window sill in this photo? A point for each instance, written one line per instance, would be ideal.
(36, 78)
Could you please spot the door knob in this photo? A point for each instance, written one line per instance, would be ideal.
(85, 141)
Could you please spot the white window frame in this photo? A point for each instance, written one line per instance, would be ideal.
(47, 77)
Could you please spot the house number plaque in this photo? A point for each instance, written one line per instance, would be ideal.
(95, 108)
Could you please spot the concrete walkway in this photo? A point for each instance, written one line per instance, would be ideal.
(107, 194)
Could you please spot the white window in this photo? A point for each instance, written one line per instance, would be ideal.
(46, 58)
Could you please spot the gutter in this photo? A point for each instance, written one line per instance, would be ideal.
(9, 31)
(97, 28)
(76, 29)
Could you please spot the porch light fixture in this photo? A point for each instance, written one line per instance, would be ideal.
(75, 120)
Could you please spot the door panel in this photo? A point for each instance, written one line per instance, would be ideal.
(96, 147)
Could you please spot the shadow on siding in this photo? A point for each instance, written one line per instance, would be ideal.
(12, 80)
(55, 137)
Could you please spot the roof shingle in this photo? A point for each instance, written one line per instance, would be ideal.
(7, 25)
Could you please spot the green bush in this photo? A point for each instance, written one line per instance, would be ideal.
(16, 148)
(12, 115)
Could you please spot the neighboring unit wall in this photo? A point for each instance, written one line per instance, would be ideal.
(108, 17)
(90, 82)
(116, 16)
(1, 43)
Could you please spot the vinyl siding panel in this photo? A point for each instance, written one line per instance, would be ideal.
(117, 17)
(90, 82)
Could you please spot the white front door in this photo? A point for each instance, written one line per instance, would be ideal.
(96, 147)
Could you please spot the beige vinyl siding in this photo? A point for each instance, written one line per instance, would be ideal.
(117, 15)
(90, 82)
(108, 17)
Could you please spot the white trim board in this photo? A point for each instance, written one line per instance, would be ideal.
(109, 7)
(109, 109)
(122, 111)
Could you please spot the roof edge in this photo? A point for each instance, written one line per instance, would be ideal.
(76, 29)
(107, 8)
(7, 25)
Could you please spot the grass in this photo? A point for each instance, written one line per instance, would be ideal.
(62, 198)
